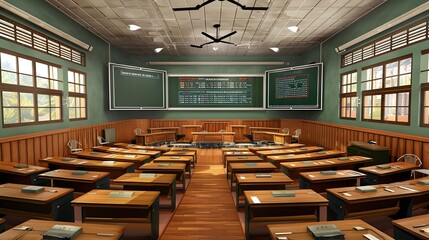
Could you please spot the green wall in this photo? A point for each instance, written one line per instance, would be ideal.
(331, 60)
(97, 76)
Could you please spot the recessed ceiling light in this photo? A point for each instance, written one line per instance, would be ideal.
(275, 49)
(133, 27)
(293, 28)
(215, 48)
(157, 50)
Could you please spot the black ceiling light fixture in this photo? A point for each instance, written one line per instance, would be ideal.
(216, 39)
(243, 7)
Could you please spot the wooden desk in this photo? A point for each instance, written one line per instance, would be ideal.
(299, 230)
(152, 138)
(277, 160)
(264, 129)
(379, 203)
(422, 200)
(261, 207)
(153, 154)
(89, 230)
(275, 137)
(403, 228)
(379, 154)
(256, 167)
(241, 159)
(11, 172)
(212, 137)
(235, 153)
(138, 160)
(164, 129)
(52, 203)
(162, 149)
(320, 182)
(397, 171)
(292, 169)
(163, 183)
(183, 152)
(114, 168)
(141, 207)
(254, 181)
(286, 151)
(234, 149)
(176, 159)
(175, 168)
(80, 183)
(275, 147)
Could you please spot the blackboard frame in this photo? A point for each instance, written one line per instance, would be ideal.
(159, 91)
(285, 104)
(262, 91)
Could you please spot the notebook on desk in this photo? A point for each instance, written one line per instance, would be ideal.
(325, 232)
(62, 232)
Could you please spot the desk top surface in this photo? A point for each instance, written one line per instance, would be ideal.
(232, 149)
(185, 159)
(393, 168)
(350, 195)
(161, 166)
(180, 153)
(313, 155)
(276, 147)
(186, 149)
(74, 175)
(238, 153)
(299, 230)
(372, 147)
(66, 161)
(299, 150)
(243, 158)
(255, 165)
(213, 133)
(21, 169)
(275, 177)
(302, 197)
(125, 150)
(326, 162)
(12, 191)
(137, 178)
(338, 176)
(406, 224)
(111, 156)
(89, 230)
(141, 147)
(100, 197)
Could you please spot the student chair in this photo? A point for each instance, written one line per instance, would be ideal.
(102, 141)
(138, 131)
(413, 159)
(285, 130)
(74, 146)
(295, 135)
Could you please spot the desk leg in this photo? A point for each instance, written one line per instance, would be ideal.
(237, 195)
(78, 214)
(184, 181)
(405, 208)
(154, 224)
(322, 214)
(246, 219)
(173, 195)
(337, 207)
(358, 182)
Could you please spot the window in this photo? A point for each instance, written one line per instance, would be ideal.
(386, 91)
(424, 120)
(414, 33)
(30, 90)
(77, 95)
(30, 38)
(348, 99)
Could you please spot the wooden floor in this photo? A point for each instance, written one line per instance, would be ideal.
(207, 210)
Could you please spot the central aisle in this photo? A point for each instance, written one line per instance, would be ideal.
(207, 210)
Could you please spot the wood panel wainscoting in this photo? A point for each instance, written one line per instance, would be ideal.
(336, 136)
(29, 148)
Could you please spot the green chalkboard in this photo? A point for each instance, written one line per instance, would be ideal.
(295, 88)
(136, 88)
(216, 92)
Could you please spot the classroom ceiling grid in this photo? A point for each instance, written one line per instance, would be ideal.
(175, 31)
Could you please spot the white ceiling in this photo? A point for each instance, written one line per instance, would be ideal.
(175, 31)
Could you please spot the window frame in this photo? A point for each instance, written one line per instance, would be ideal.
(73, 94)
(424, 87)
(348, 95)
(383, 91)
(34, 90)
